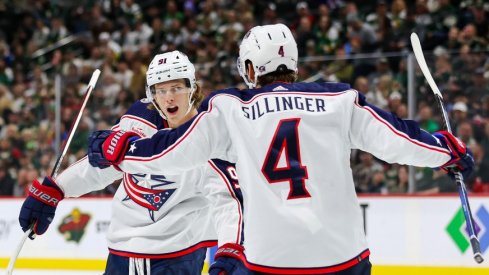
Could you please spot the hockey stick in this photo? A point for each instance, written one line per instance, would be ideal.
(55, 171)
(474, 241)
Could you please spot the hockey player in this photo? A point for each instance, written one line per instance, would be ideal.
(161, 223)
(291, 143)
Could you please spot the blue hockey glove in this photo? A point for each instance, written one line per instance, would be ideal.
(40, 206)
(108, 147)
(462, 158)
(227, 257)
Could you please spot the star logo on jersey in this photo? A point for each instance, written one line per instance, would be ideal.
(152, 199)
(73, 226)
(132, 148)
(437, 141)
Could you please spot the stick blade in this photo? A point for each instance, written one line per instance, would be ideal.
(418, 52)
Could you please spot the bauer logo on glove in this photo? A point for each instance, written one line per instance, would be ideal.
(42, 196)
(112, 143)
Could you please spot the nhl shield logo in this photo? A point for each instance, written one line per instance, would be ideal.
(73, 226)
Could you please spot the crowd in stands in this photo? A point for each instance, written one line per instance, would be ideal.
(120, 37)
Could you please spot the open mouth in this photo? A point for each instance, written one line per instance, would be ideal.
(172, 110)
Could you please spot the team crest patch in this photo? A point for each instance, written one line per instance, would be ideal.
(152, 199)
(73, 226)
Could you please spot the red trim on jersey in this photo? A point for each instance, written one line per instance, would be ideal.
(165, 255)
(138, 119)
(319, 270)
(228, 185)
(165, 123)
(80, 160)
(401, 134)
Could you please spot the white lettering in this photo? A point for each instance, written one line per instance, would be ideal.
(45, 197)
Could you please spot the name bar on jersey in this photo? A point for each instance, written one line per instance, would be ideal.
(266, 105)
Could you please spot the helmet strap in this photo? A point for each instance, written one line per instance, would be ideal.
(190, 101)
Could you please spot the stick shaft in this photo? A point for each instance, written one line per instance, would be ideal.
(462, 191)
(55, 171)
(74, 125)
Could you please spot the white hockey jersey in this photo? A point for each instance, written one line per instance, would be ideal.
(155, 215)
(291, 144)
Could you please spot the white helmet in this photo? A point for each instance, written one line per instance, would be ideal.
(268, 48)
(166, 67)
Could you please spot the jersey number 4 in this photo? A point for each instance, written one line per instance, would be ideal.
(286, 142)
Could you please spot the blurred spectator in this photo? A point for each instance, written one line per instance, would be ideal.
(468, 37)
(327, 36)
(382, 68)
(452, 43)
(363, 39)
(395, 100)
(130, 10)
(439, 182)
(381, 12)
(6, 181)
(107, 43)
(402, 111)
(41, 33)
(342, 68)
(459, 114)
(400, 186)
(302, 9)
(158, 36)
(231, 22)
(57, 32)
(363, 173)
(171, 14)
(304, 34)
(477, 90)
(425, 119)
(465, 133)
(6, 75)
(269, 15)
(373, 96)
(378, 182)
(480, 21)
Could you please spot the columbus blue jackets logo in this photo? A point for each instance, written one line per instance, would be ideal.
(152, 199)
(73, 226)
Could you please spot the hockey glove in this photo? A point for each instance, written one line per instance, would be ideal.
(227, 258)
(40, 206)
(108, 147)
(462, 158)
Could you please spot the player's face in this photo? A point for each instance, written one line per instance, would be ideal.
(173, 98)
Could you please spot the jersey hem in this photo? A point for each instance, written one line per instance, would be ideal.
(183, 252)
(313, 270)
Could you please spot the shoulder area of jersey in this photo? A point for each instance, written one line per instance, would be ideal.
(140, 109)
(141, 104)
(308, 87)
(229, 91)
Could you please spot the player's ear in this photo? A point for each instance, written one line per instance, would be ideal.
(251, 72)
